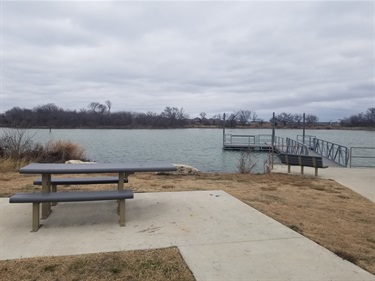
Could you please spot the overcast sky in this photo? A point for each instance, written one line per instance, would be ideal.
(213, 57)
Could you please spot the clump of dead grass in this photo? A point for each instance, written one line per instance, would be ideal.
(61, 151)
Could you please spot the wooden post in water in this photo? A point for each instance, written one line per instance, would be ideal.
(223, 130)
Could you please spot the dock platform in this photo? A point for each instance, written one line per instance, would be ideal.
(334, 155)
(253, 147)
(261, 143)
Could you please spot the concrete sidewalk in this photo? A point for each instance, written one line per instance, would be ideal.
(360, 180)
(219, 237)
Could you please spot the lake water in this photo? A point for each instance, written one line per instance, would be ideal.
(201, 148)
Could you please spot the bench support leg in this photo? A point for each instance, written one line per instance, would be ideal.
(36, 217)
(46, 187)
(120, 186)
(54, 189)
(122, 212)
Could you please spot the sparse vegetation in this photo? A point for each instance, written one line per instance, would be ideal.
(245, 163)
(17, 149)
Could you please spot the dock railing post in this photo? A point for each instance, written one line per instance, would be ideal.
(303, 134)
(273, 139)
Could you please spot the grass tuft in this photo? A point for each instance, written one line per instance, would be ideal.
(50, 267)
(296, 228)
(346, 256)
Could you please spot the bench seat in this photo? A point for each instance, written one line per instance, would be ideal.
(40, 197)
(37, 198)
(302, 160)
(86, 180)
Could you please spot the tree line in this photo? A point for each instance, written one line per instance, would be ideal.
(366, 119)
(96, 115)
(99, 115)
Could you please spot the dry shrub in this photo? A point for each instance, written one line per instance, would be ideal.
(61, 151)
(52, 152)
(16, 147)
(245, 162)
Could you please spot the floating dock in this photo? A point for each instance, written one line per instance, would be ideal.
(248, 142)
(334, 155)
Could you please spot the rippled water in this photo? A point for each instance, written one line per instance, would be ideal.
(201, 148)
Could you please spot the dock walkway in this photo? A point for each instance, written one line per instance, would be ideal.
(326, 161)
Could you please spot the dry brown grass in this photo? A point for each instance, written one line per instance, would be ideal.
(322, 210)
(155, 265)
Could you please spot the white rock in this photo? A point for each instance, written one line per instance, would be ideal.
(182, 169)
(78, 162)
(186, 169)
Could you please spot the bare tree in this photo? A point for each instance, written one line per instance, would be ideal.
(93, 106)
(311, 119)
(97, 108)
(232, 120)
(370, 117)
(102, 109)
(297, 118)
(109, 105)
(254, 116)
(175, 116)
(285, 118)
(244, 117)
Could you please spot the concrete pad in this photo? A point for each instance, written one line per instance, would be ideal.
(220, 237)
(360, 180)
(288, 259)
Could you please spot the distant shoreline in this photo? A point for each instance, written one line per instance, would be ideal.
(265, 126)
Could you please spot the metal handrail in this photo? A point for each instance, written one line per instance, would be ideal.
(264, 138)
(361, 156)
(296, 147)
(242, 139)
(308, 140)
(333, 151)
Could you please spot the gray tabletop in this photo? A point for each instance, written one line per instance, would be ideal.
(130, 167)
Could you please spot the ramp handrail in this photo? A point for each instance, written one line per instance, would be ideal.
(333, 151)
(307, 141)
(363, 154)
(296, 147)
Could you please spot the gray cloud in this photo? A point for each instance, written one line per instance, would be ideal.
(313, 57)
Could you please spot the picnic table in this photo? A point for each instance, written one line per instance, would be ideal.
(122, 169)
